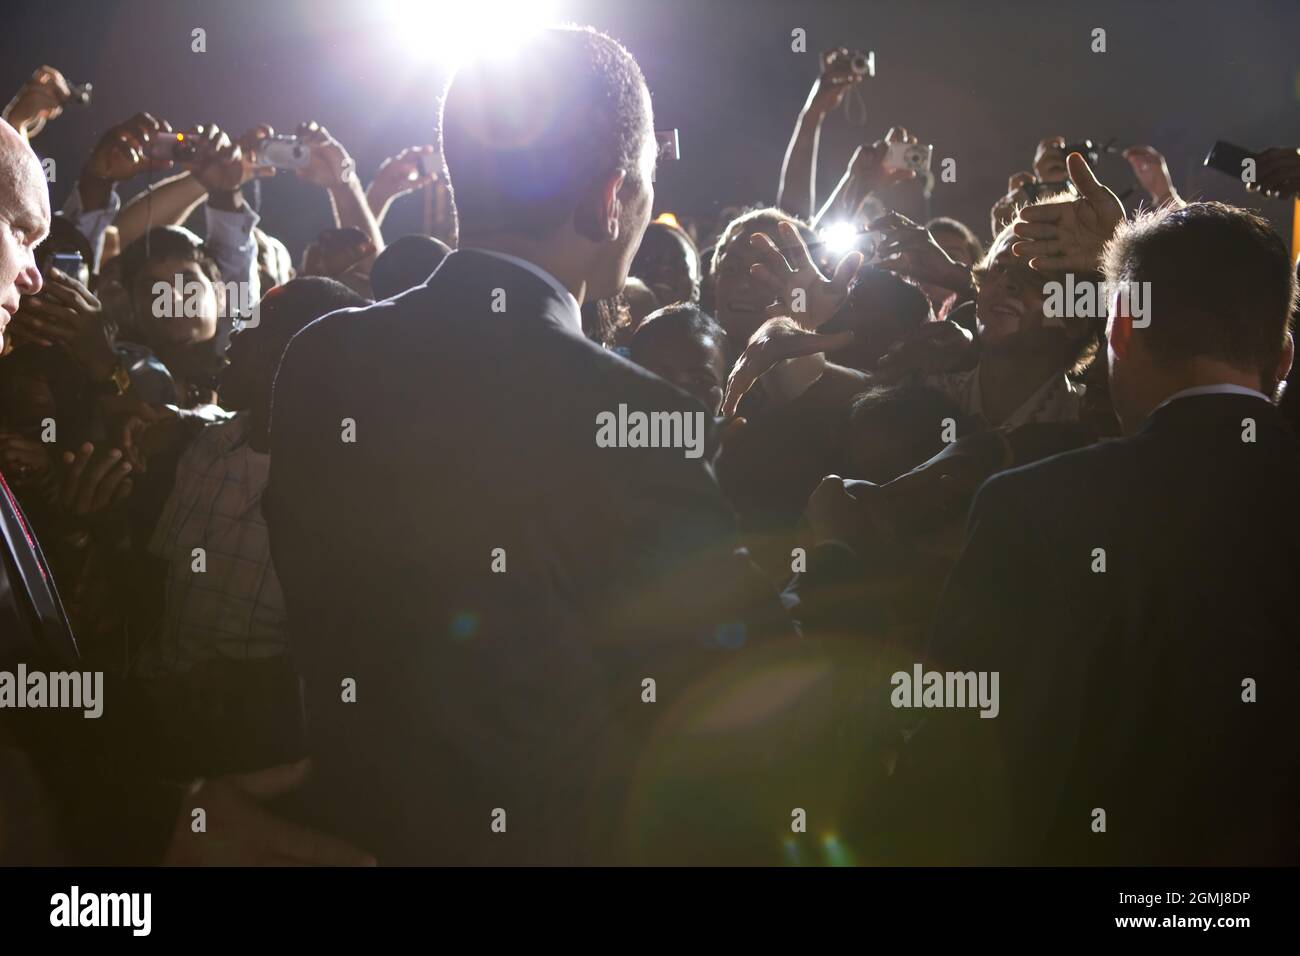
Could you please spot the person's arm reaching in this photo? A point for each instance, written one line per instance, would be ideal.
(331, 168)
(866, 173)
(797, 191)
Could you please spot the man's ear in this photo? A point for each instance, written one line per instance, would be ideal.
(1119, 332)
(1285, 359)
(597, 218)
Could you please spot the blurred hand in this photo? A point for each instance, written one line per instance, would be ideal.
(775, 341)
(123, 151)
(1049, 160)
(908, 249)
(142, 431)
(38, 101)
(932, 349)
(840, 510)
(836, 79)
(67, 314)
(217, 162)
(92, 481)
(241, 833)
(1150, 169)
(329, 165)
(1004, 210)
(1069, 236)
(403, 173)
(248, 144)
(790, 276)
(867, 165)
(1277, 172)
(25, 461)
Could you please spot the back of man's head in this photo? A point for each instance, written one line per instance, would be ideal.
(1221, 284)
(406, 263)
(525, 131)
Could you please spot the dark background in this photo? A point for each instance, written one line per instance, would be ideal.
(981, 81)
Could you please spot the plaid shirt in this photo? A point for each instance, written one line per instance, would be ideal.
(234, 609)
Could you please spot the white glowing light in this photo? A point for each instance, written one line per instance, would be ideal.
(453, 30)
(840, 237)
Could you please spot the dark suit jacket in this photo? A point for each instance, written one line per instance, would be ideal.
(1122, 690)
(475, 430)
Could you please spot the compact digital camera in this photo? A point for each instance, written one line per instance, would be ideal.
(281, 152)
(913, 156)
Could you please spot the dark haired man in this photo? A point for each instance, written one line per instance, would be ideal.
(454, 546)
(1137, 597)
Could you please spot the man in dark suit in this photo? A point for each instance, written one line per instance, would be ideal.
(1135, 597)
(490, 607)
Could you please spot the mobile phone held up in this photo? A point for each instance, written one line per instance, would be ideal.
(1228, 159)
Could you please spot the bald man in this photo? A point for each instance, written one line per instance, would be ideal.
(101, 815)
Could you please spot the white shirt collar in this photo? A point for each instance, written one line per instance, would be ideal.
(1224, 389)
(573, 314)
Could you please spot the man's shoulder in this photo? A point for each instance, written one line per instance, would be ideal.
(1061, 485)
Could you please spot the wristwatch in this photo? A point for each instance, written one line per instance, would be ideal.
(117, 382)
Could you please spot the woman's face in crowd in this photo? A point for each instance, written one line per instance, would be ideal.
(740, 303)
(1010, 296)
(176, 302)
(668, 265)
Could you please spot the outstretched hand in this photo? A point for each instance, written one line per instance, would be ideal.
(794, 281)
(775, 341)
(1069, 236)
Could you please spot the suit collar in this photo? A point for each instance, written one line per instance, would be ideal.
(1185, 410)
(561, 304)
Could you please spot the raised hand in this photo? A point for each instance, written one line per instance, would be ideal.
(775, 341)
(404, 173)
(1069, 236)
(1049, 160)
(908, 249)
(124, 150)
(836, 79)
(1151, 171)
(40, 100)
(67, 314)
(216, 161)
(92, 481)
(788, 273)
(1277, 172)
(329, 165)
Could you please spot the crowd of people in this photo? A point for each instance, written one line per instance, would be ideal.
(337, 530)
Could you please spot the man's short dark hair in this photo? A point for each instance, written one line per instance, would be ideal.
(680, 320)
(406, 263)
(1222, 283)
(523, 134)
(160, 244)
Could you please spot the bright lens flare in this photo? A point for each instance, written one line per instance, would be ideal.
(839, 237)
(668, 219)
(454, 30)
